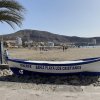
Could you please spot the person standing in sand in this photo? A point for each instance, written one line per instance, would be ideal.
(6, 56)
(63, 47)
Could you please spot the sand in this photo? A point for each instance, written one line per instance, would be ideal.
(14, 87)
(57, 54)
(29, 94)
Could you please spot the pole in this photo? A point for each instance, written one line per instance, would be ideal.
(1, 52)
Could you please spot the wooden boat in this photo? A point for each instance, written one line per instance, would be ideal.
(27, 67)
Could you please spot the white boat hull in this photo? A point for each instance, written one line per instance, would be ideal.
(23, 67)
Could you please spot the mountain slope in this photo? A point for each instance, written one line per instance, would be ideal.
(38, 36)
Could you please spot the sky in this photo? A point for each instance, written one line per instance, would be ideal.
(65, 17)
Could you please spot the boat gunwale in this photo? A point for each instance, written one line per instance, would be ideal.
(85, 61)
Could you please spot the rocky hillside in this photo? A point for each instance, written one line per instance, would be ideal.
(44, 36)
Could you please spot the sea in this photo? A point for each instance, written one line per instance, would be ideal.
(97, 46)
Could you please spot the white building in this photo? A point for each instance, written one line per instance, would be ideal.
(94, 41)
(50, 44)
(18, 41)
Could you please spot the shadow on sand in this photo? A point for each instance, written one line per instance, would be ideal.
(76, 80)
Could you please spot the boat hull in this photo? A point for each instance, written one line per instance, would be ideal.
(17, 71)
(86, 66)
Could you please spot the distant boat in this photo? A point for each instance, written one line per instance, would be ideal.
(28, 67)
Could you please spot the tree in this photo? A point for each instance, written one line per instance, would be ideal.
(11, 12)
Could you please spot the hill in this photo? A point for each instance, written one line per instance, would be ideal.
(38, 36)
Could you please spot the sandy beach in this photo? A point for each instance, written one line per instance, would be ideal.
(30, 91)
(37, 87)
(26, 94)
(55, 54)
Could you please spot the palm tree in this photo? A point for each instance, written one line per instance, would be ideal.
(11, 12)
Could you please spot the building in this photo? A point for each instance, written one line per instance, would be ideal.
(50, 44)
(18, 42)
(94, 41)
(11, 43)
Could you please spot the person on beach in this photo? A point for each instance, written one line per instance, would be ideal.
(63, 48)
(5, 56)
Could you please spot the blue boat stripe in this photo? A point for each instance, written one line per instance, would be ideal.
(25, 72)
